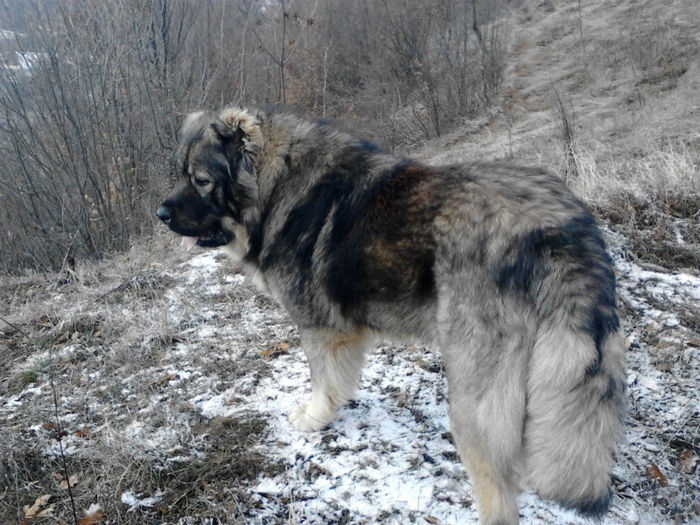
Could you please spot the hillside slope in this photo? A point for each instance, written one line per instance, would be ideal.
(158, 383)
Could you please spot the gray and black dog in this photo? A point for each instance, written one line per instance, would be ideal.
(501, 267)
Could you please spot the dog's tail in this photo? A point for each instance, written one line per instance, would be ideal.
(575, 391)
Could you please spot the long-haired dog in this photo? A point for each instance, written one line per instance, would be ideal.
(499, 266)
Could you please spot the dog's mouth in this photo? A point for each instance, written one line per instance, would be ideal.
(208, 240)
(208, 233)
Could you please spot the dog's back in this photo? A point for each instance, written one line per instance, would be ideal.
(507, 271)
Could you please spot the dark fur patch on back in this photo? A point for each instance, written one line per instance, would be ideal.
(528, 257)
(525, 266)
(380, 246)
(297, 240)
(382, 243)
(295, 243)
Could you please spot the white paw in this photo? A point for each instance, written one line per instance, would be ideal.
(305, 420)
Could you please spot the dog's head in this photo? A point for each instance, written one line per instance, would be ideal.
(216, 160)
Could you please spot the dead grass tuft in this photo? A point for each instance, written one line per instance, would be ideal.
(664, 232)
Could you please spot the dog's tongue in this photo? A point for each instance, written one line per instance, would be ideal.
(188, 242)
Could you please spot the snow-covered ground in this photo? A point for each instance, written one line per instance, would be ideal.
(388, 458)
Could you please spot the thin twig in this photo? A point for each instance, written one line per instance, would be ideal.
(18, 503)
(117, 288)
(59, 438)
(13, 326)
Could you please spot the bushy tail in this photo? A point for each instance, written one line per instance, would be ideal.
(574, 409)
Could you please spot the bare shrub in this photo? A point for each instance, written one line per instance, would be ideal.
(86, 126)
(376, 63)
(566, 122)
(89, 111)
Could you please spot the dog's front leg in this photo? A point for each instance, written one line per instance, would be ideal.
(335, 360)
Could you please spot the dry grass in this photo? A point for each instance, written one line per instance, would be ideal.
(651, 195)
(102, 335)
(656, 172)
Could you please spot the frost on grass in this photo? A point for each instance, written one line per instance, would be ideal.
(127, 416)
(191, 422)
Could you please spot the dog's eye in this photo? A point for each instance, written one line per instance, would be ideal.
(200, 181)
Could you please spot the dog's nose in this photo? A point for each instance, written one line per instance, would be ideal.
(164, 213)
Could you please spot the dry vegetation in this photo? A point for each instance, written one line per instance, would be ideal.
(105, 359)
(97, 339)
(91, 95)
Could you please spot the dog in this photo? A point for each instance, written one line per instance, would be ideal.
(499, 266)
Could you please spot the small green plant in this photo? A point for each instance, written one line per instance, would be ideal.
(28, 377)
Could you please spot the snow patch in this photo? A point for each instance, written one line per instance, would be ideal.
(131, 500)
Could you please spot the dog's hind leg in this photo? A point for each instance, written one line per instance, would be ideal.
(335, 360)
(485, 351)
(495, 491)
(486, 412)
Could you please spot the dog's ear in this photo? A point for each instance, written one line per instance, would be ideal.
(238, 122)
(242, 128)
(226, 132)
(241, 131)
